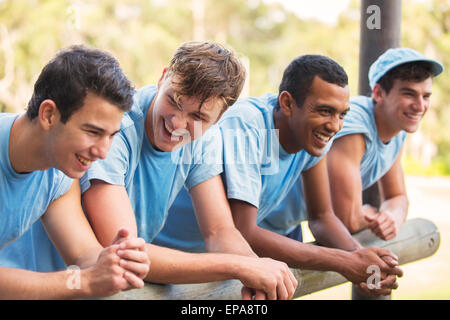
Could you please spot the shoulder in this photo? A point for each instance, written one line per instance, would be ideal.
(360, 119)
(141, 102)
(350, 147)
(252, 112)
(361, 111)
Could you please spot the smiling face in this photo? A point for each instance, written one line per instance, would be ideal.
(403, 107)
(173, 121)
(85, 137)
(313, 124)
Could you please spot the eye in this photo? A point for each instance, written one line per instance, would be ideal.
(197, 117)
(325, 112)
(93, 133)
(173, 103)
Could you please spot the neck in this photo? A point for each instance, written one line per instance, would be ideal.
(149, 125)
(26, 147)
(384, 127)
(281, 123)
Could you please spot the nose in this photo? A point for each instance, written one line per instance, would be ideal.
(420, 105)
(335, 124)
(101, 148)
(179, 121)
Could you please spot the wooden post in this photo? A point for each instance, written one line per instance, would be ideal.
(379, 30)
(417, 239)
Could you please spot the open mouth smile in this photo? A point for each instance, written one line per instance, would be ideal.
(323, 138)
(84, 161)
(178, 133)
(413, 116)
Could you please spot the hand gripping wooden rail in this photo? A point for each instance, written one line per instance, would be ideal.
(417, 239)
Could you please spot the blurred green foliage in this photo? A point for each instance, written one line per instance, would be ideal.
(144, 34)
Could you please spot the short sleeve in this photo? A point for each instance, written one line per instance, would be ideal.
(243, 149)
(113, 168)
(205, 155)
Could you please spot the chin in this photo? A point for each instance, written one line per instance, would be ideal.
(315, 152)
(410, 129)
(74, 174)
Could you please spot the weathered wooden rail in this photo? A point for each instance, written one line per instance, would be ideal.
(417, 239)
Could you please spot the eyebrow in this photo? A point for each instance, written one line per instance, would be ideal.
(172, 99)
(198, 112)
(406, 89)
(93, 127)
(330, 107)
(203, 115)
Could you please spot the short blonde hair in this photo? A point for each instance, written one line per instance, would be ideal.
(207, 70)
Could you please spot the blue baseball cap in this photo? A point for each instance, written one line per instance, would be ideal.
(395, 57)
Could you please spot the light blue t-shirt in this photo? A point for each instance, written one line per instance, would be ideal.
(153, 178)
(24, 199)
(377, 160)
(378, 157)
(257, 169)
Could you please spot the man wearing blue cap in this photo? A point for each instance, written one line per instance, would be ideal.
(368, 148)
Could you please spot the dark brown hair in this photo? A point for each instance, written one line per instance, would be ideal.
(416, 71)
(74, 72)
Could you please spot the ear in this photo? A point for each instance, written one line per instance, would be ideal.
(163, 76)
(286, 102)
(48, 114)
(378, 93)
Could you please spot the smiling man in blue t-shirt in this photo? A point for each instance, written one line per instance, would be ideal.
(76, 108)
(271, 142)
(369, 146)
(153, 158)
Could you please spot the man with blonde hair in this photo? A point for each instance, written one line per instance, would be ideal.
(169, 141)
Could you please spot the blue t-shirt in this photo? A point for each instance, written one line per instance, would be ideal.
(377, 160)
(24, 199)
(378, 157)
(257, 169)
(153, 178)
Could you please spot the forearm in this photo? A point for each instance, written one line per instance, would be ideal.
(88, 258)
(228, 240)
(296, 254)
(24, 284)
(175, 267)
(397, 208)
(329, 231)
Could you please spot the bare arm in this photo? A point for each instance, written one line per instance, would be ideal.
(352, 265)
(343, 162)
(394, 208)
(215, 221)
(109, 208)
(327, 229)
(98, 273)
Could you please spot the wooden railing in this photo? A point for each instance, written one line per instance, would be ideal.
(417, 239)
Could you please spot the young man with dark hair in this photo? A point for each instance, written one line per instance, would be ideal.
(151, 161)
(76, 108)
(368, 148)
(269, 143)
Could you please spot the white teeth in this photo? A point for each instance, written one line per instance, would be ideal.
(323, 137)
(412, 116)
(167, 128)
(177, 132)
(84, 161)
